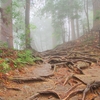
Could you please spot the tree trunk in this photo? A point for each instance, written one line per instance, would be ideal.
(73, 29)
(86, 12)
(96, 14)
(63, 33)
(77, 24)
(77, 27)
(27, 23)
(6, 34)
(69, 29)
(83, 29)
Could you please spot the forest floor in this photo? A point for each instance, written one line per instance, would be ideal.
(69, 72)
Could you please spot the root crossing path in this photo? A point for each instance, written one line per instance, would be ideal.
(69, 72)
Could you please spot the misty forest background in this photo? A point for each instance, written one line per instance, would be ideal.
(44, 24)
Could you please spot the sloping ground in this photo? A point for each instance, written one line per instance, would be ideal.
(69, 72)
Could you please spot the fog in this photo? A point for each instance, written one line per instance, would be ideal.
(46, 35)
(42, 34)
(56, 22)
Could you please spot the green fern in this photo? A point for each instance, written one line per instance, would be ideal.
(4, 67)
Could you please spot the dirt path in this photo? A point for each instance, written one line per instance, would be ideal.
(54, 82)
(31, 88)
(70, 72)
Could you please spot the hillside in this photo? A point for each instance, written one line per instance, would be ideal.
(68, 72)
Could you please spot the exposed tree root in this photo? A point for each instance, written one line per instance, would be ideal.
(47, 92)
(77, 70)
(11, 88)
(74, 77)
(68, 92)
(73, 93)
(27, 79)
(85, 58)
(55, 61)
(79, 79)
(33, 96)
(98, 47)
(47, 76)
(15, 89)
(82, 60)
(2, 98)
(92, 87)
(84, 53)
(67, 79)
(65, 64)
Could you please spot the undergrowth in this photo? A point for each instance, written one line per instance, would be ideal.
(20, 60)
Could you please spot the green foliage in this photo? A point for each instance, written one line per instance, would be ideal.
(31, 26)
(3, 44)
(8, 10)
(25, 57)
(36, 59)
(27, 34)
(61, 10)
(4, 66)
(19, 24)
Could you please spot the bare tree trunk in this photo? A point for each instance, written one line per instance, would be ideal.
(96, 15)
(77, 24)
(27, 27)
(63, 32)
(86, 12)
(83, 29)
(77, 27)
(6, 34)
(69, 29)
(73, 30)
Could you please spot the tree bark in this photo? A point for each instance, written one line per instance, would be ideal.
(63, 33)
(6, 34)
(77, 24)
(69, 29)
(73, 29)
(86, 12)
(77, 27)
(27, 23)
(96, 14)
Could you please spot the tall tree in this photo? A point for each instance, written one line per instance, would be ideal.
(86, 12)
(27, 23)
(6, 22)
(96, 14)
(77, 24)
(73, 29)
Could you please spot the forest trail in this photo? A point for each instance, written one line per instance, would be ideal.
(69, 72)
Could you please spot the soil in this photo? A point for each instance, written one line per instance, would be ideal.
(69, 72)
